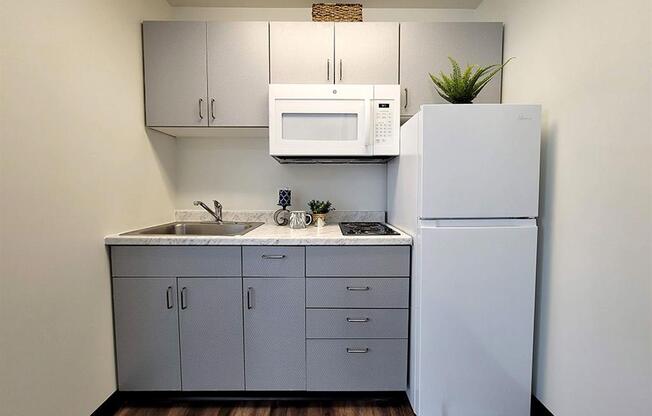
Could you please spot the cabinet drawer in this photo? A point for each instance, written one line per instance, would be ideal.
(273, 261)
(160, 261)
(356, 364)
(348, 261)
(357, 323)
(357, 293)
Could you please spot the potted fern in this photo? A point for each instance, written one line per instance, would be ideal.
(462, 87)
(319, 210)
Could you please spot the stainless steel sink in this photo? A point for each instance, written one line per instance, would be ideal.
(198, 228)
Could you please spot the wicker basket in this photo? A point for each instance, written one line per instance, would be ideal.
(332, 12)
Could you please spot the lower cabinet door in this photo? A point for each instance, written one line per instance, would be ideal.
(357, 364)
(210, 314)
(275, 344)
(146, 334)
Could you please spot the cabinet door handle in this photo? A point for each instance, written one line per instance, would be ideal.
(357, 319)
(250, 298)
(406, 98)
(357, 288)
(357, 350)
(273, 256)
(184, 300)
(213, 108)
(168, 298)
(341, 70)
(201, 113)
(328, 70)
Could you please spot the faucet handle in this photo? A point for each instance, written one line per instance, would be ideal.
(217, 204)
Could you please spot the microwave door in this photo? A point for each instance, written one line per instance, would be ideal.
(320, 127)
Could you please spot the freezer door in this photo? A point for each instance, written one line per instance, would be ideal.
(480, 161)
(477, 310)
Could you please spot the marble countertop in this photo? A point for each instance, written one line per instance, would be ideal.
(266, 234)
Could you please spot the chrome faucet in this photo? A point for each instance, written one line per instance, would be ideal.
(217, 214)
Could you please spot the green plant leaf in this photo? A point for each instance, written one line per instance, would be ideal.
(484, 81)
(463, 86)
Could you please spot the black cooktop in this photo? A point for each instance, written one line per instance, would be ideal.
(366, 228)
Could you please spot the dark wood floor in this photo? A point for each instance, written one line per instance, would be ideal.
(275, 408)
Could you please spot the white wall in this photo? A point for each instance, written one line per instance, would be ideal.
(240, 172)
(589, 64)
(76, 164)
(304, 14)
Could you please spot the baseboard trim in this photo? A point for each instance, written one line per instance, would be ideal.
(538, 409)
(110, 406)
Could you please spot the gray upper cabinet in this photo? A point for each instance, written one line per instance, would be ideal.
(238, 73)
(210, 323)
(302, 52)
(425, 47)
(146, 334)
(174, 55)
(366, 53)
(275, 345)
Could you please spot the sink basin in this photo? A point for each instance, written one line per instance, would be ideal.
(198, 228)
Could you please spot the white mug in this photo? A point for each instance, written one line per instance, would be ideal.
(299, 219)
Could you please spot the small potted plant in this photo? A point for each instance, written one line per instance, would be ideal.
(462, 87)
(319, 210)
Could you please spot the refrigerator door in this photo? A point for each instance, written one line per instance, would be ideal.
(477, 284)
(480, 161)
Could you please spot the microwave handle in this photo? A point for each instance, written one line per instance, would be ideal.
(369, 140)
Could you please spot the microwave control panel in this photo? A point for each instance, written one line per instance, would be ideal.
(384, 122)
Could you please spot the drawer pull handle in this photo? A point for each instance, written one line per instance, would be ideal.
(273, 256)
(357, 288)
(357, 350)
(357, 319)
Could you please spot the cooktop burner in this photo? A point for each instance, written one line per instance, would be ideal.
(365, 228)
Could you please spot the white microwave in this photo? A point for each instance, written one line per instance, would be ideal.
(315, 123)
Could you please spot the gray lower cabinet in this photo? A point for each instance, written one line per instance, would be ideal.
(275, 355)
(344, 327)
(146, 333)
(211, 333)
(358, 261)
(357, 364)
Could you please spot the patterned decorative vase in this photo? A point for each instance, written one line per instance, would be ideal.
(319, 220)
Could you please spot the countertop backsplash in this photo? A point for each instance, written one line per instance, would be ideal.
(267, 216)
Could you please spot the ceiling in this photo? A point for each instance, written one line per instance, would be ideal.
(390, 4)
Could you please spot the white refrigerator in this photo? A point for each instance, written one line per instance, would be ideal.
(466, 187)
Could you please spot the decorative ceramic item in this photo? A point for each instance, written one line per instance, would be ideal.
(282, 216)
(320, 220)
(284, 198)
(319, 210)
(299, 220)
(462, 87)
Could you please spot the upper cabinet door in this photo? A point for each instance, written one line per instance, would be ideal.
(366, 53)
(175, 73)
(301, 52)
(238, 73)
(425, 48)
